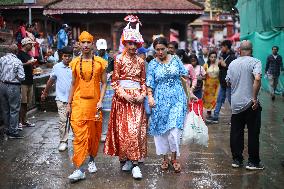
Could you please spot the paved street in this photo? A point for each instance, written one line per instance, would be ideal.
(34, 162)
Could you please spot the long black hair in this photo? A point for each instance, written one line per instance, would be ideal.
(195, 57)
(208, 61)
(181, 53)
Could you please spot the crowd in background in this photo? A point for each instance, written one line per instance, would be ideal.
(204, 64)
(207, 65)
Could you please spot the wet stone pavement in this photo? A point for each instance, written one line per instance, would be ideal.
(34, 162)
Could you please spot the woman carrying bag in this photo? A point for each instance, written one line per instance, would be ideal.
(168, 101)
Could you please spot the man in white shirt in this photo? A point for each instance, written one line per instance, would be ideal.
(62, 76)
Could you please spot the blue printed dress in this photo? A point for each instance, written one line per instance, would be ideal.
(169, 96)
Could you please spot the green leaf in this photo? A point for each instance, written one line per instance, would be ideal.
(11, 2)
(225, 5)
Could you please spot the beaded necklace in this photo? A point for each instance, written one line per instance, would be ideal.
(81, 70)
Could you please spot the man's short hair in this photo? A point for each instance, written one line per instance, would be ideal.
(226, 43)
(67, 50)
(246, 45)
(174, 43)
(275, 47)
(13, 49)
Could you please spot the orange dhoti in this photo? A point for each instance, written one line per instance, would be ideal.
(127, 128)
(87, 135)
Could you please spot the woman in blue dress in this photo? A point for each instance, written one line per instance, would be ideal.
(168, 101)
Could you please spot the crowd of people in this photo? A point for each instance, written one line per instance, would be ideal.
(142, 89)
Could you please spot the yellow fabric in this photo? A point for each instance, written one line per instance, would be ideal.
(212, 71)
(86, 36)
(211, 86)
(210, 94)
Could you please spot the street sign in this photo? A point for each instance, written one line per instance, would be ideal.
(29, 1)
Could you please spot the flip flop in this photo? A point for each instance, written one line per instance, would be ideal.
(165, 165)
(176, 166)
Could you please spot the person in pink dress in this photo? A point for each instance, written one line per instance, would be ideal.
(200, 76)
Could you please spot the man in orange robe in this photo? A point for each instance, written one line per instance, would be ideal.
(85, 103)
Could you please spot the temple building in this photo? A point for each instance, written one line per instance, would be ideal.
(104, 18)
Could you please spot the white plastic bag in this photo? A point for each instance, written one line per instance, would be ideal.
(195, 130)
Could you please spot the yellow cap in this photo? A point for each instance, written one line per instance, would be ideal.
(86, 36)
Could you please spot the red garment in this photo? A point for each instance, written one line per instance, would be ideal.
(23, 32)
(35, 49)
(126, 135)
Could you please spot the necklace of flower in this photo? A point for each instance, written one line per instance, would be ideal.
(81, 70)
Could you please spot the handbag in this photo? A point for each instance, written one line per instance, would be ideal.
(199, 83)
(195, 130)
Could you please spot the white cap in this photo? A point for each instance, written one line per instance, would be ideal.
(101, 44)
(65, 26)
(27, 40)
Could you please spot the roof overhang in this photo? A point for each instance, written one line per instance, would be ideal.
(21, 7)
(118, 11)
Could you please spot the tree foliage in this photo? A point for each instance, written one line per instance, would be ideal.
(11, 2)
(225, 5)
